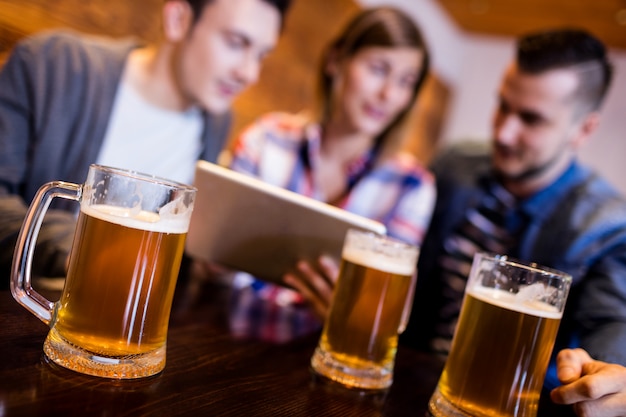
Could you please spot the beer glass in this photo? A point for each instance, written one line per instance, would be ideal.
(370, 307)
(503, 340)
(112, 318)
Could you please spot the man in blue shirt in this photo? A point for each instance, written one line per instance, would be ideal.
(535, 199)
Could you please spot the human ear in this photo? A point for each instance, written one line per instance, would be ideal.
(331, 63)
(587, 126)
(177, 19)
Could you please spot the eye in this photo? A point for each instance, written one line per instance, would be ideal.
(503, 107)
(408, 81)
(235, 40)
(531, 118)
(378, 68)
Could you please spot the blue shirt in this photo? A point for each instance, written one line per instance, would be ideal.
(576, 225)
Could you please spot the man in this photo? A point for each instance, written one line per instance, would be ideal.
(532, 200)
(67, 101)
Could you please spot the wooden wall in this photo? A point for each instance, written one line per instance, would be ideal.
(287, 80)
(19, 18)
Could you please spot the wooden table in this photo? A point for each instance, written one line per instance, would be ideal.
(208, 372)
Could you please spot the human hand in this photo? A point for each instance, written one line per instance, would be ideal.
(594, 388)
(315, 284)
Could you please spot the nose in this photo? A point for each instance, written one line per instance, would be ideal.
(505, 128)
(387, 90)
(393, 92)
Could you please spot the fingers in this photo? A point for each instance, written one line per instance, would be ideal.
(569, 363)
(315, 285)
(600, 383)
(317, 303)
(321, 284)
(330, 268)
(609, 406)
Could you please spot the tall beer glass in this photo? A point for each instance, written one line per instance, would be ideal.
(112, 318)
(503, 340)
(370, 307)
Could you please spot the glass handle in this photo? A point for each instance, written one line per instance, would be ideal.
(408, 304)
(21, 287)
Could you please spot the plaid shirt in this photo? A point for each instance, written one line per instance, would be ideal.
(284, 150)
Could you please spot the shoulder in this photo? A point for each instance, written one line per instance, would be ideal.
(68, 40)
(462, 162)
(597, 200)
(287, 124)
(408, 166)
(285, 129)
(60, 46)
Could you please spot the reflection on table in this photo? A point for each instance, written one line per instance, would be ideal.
(213, 367)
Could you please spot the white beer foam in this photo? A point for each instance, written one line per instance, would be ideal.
(136, 219)
(509, 301)
(380, 261)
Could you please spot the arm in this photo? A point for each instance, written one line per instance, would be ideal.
(595, 388)
(15, 134)
(600, 310)
(18, 135)
(589, 218)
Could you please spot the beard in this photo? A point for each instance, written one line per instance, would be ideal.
(530, 173)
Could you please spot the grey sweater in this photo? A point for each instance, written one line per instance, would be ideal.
(56, 96)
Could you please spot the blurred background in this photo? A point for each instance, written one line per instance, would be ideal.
(471, 42)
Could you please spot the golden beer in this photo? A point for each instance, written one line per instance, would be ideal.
(112, 318)
(121, 278)
(499, 355)
(360, 337)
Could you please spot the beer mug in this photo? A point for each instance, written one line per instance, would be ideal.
(503, 340)
(370, 307)
(112, 318)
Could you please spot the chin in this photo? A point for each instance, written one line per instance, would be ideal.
(504, 169)
(217, 106)
(372, 129)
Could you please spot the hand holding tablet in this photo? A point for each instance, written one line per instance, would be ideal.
(248, 225)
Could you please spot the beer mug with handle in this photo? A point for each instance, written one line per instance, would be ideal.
(112, 318)
(503, 340)
(370, 307)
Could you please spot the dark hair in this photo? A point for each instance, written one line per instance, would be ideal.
(573, 49)
(197, 6)
(382, 27)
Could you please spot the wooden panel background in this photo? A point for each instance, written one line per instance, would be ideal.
(604, 18)
(287, 80)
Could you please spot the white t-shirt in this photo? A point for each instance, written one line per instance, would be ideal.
(144, 138)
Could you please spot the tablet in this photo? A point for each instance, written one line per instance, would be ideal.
(248, 225)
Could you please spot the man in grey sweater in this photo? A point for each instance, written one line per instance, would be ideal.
(69, 100)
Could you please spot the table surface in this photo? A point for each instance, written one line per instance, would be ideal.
(209, 371)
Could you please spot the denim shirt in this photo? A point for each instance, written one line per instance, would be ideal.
(577, 225)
